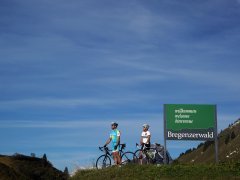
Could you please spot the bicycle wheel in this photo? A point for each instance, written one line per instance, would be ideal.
(151, 152)
(144, 157)
(139, 156)
(162, 158)
(128, 157)
(103, 161)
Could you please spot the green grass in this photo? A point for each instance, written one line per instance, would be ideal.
(210, 171)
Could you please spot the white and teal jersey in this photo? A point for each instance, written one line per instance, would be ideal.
(114, 135)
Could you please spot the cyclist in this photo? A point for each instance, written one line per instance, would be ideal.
(145, 136)
(115, 139)
(145, 140)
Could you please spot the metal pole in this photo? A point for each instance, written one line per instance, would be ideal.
(165, 133)
(216, 136)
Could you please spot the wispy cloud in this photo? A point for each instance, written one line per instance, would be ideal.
(148, 72)
(72, 102)
(66, 67)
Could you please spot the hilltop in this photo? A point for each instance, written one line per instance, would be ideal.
(228, 147)
(196, 163)
(174, 171)
(23, 167)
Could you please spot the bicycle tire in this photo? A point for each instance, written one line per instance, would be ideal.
(141, 157)
(128, 157)
(162, 158)
(144, 160)
(103, 161)
(137, 156)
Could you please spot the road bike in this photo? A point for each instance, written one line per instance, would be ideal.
(105, 160)
(151, 155)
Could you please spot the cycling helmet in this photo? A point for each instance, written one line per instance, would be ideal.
(114, 123)
(145, 126)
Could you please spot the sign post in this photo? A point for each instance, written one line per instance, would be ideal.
(190, 122)
(216, 136)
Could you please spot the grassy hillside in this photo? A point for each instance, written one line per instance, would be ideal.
(197, 163)
(27, 168)
(228, 143)
(177, 171)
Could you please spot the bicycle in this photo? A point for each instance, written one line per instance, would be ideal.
(104, 160)
(150, 155)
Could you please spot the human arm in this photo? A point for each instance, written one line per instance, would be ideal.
(108, 141)
(148, 139)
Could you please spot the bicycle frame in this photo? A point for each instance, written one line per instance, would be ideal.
(145, 151)
(155, 156)
(126, 156)
(107, 151)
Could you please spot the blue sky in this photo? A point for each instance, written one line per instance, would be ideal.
(69, 68)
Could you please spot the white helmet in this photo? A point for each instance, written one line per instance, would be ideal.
(145, 126)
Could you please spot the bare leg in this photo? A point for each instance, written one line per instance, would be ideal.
(119, 160)
(141, 157)
(115, 157)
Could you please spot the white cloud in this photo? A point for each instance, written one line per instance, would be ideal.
(50, 124)
(130, 79)
(72, 102)
(225, 80)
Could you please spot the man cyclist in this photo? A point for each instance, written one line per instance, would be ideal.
(145, 140)
(145, 136)
(115, 139)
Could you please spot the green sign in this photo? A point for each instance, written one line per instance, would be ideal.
(190, 121)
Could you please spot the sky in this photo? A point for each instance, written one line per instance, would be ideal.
(68, 68)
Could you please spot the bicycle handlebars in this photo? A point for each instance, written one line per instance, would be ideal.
(103, 148)
(106, 148)
(144, 147)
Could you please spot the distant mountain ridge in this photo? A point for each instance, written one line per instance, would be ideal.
(23, 167)
(228, 147)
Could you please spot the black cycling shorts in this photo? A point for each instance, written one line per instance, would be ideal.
(146, 145)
